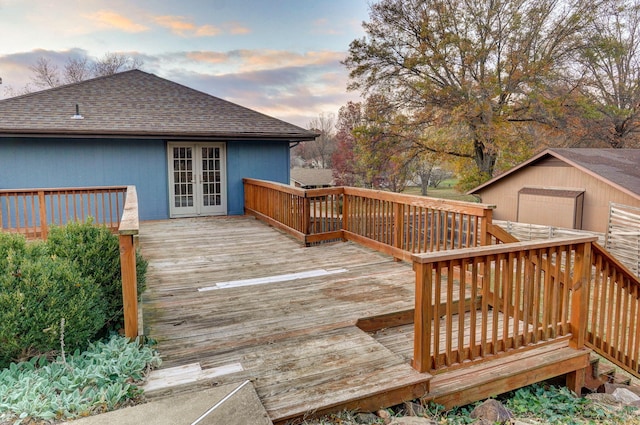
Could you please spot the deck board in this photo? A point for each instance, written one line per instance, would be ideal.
(296, 340)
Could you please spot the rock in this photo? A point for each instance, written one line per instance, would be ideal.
(383, 414)
(366, 418)
(492, 411)
(623, 395)
(414, 409)
(610, 388)
(602, 398)
(412, 420)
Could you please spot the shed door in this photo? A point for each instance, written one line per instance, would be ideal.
(197, 179)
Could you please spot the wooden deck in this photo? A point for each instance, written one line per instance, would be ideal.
(296, 340)
(246, 301)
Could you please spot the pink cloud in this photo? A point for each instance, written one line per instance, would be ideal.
(110, 19)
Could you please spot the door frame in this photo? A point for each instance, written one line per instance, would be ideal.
(198, 208)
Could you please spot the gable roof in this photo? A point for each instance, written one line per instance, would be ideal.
(312, 176)
(138, 104)
(619, 168)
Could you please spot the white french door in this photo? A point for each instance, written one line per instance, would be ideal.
(197, 179)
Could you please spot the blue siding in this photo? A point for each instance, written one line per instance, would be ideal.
(53, 162)
(258, 160)
(34, 163)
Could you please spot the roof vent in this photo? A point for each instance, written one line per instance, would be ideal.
(77, 116)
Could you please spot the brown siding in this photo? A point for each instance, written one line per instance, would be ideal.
(504, 193)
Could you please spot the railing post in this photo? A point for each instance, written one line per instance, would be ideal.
(344, 213)
(398, 225)
(129, 285)
(485, 237)
(128, 230)
(42, 207)
(579, 295)
(423, 317)
(306, 215)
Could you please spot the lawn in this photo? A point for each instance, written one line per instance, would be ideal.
(445, 190)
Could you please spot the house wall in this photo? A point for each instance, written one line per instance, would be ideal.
(258, 160)
(59, 162)
(553, 173)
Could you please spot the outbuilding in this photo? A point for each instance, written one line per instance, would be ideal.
(570, 188)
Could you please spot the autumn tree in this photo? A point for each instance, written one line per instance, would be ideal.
(477, 68)
(611, 61)
(345, 168)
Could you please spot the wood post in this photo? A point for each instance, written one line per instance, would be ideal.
(579, 295)
(129, 285)
(42, 207)
(423, 317)
(487, 220)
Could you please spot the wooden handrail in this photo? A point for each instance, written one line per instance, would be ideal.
(393, 223)
(32, 211)
(526, 293)
(614, 311)
(127, 231)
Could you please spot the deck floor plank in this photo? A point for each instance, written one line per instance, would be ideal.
(296, 340)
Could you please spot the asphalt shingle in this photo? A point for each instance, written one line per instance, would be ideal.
(136, 103)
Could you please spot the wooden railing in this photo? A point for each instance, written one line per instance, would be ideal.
(31, 212)
(396, 224)
(480, 292)
(475, 303)
(614, 311)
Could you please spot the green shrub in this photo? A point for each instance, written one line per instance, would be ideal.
(36, 292)
(96, 251)
(104, 377)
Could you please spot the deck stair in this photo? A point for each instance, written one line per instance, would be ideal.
(599, 373)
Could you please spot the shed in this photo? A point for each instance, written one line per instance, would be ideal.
(311, 178)
(569, 188)
(186, 151)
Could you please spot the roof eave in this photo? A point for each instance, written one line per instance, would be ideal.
(290, 137)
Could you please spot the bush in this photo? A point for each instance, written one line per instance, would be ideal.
(74, 275)
(102, 378)
(96, 251)
(36, 292)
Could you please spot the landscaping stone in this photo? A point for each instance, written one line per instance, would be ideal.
(625, 396)
(412, 420)
(492, 411)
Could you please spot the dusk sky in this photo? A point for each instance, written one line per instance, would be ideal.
(280, 57)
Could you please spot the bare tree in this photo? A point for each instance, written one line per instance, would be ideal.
(323, 147)
(112, 63)
(612, 84)
(77, 69)
(45, 74)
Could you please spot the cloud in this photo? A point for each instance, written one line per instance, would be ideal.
(184, 27)
(323, 26)
(110, 19)
(296, 94)
(237, 28)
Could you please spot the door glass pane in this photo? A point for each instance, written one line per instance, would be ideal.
(211, 176)
(183, 176)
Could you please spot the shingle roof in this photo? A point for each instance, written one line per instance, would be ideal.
(312, 176)
(136, 103)
(617, 167)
